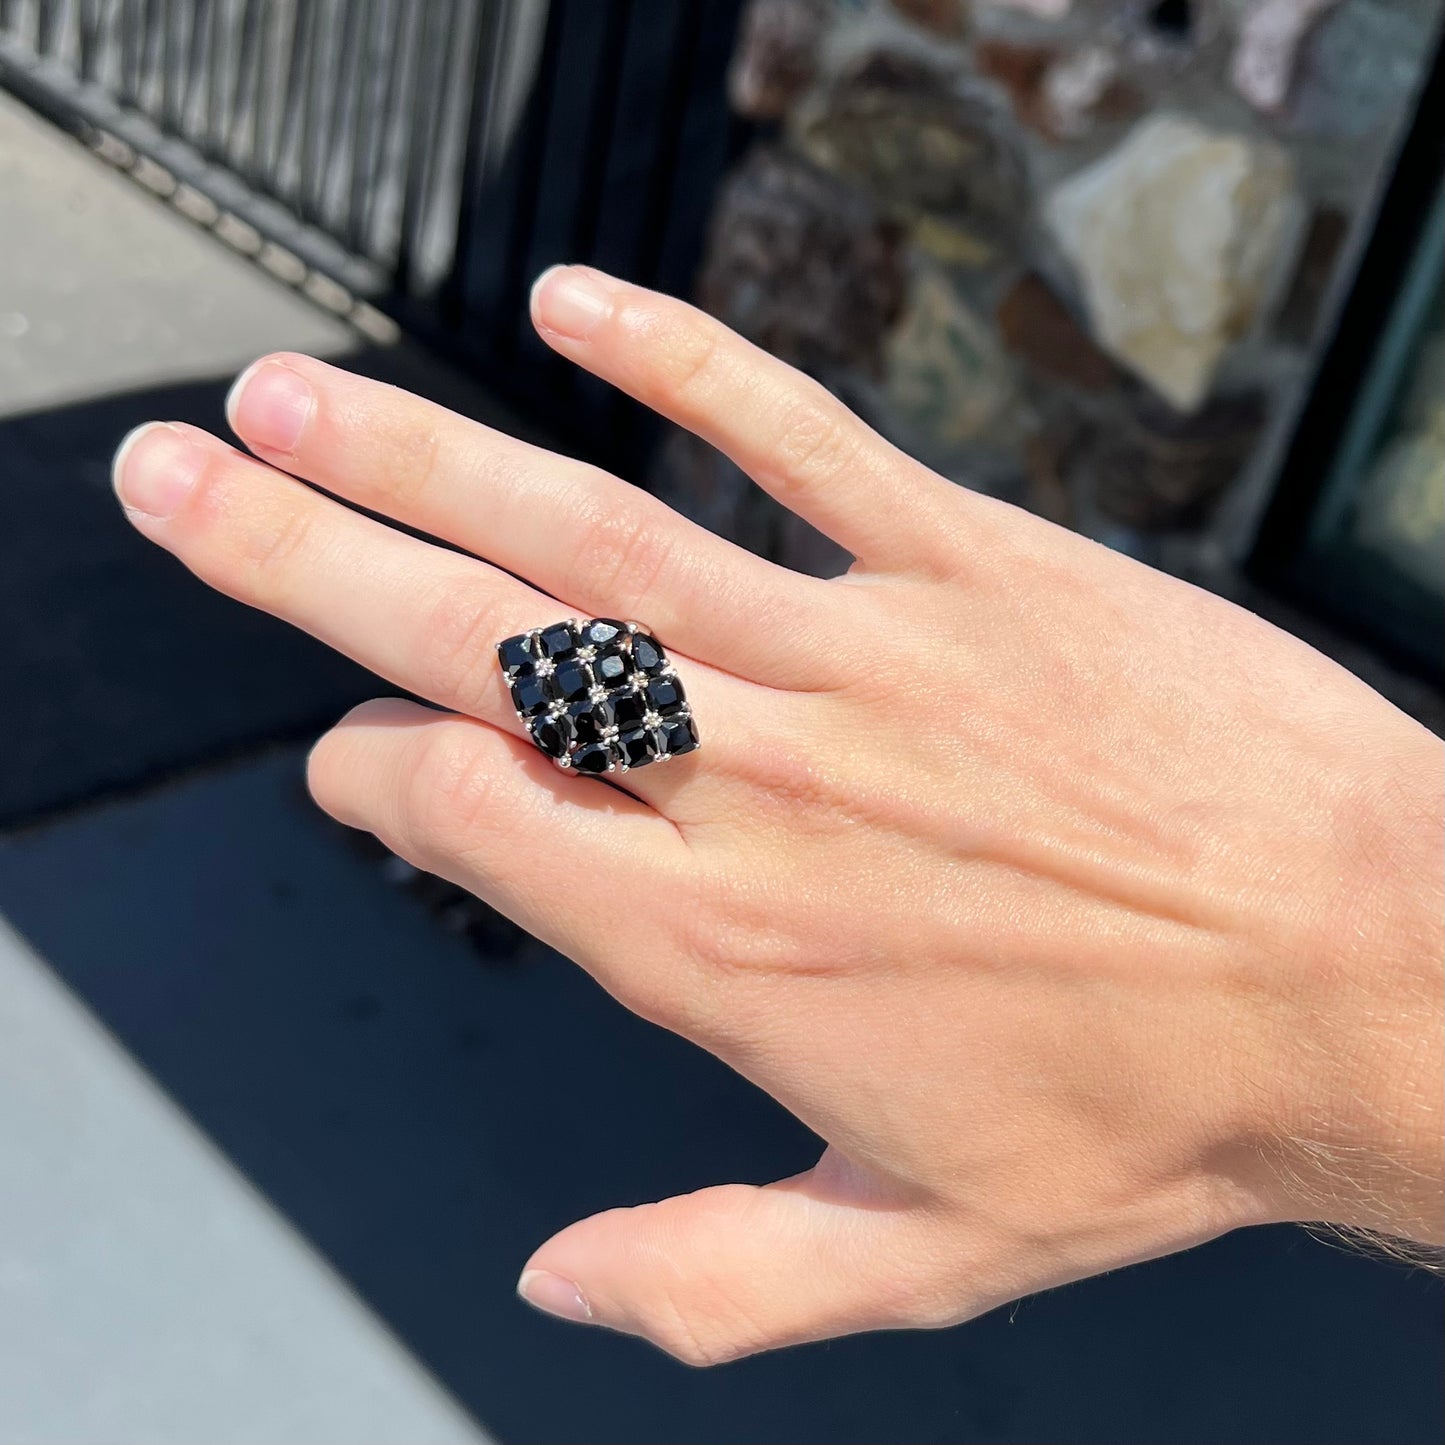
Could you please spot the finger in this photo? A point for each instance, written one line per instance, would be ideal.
(792, 436)
(728, 1271)
(487, 811)
(601, 545)
(421, 616)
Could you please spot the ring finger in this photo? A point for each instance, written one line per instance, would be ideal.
(424, 617)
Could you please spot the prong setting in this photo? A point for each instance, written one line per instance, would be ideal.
(597, 696)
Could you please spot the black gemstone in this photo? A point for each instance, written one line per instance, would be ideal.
(627, 708)
(664, 695)
(594, 758)
(529, 694)
(647, 654)
(516, 656)
(572, 680)
(557, 642)
(612, 667)
(678, 736)
(589, 718)
(602, 632)
(640, 746)
(553, 733)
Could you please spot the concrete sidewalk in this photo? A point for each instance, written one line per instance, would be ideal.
(274, 1142)
(116, 309)
(343, 1073)
(150, 1293)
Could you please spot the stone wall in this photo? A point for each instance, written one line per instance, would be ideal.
(1075, 253)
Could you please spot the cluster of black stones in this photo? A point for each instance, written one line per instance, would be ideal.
(598, 696)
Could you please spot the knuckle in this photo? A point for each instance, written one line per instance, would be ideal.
(412, 458)
(714, 1322)
(620, 558)
(707, 937)
(814, 443)
(703, 1319)
(798, 783)
(689, 1346)
(272, 548)
(459, 638)
(448, 790)
(684, 364)
(735, 936)
(812, 793)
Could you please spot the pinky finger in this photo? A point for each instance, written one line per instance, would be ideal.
(490, 813)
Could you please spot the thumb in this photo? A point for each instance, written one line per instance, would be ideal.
(712, 1276)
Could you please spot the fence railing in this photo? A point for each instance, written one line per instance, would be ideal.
(429, 155)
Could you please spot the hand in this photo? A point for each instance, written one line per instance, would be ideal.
(1083, 914)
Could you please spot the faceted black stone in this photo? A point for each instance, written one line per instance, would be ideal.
(627, 708)
(602, 632)
(647, 654)
(664, 695)
(678, 736)
(516, 656)
(594, 758)
(613, 667)
(589, 718)
(640, 746)
(593, 736)
(557, 642)
(552, 734)
(572, 680)
(530, 695)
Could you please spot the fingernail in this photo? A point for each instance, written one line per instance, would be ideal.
(554, 1295)
(155, 469)
(570, 302)
(269, 406)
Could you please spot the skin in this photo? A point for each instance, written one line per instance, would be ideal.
(1085, 915)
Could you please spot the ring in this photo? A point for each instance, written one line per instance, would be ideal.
(598, 696)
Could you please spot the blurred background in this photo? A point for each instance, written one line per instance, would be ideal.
(280, 1118)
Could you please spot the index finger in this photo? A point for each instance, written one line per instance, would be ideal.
(785, 430)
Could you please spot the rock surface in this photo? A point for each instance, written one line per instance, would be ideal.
(1036, 326)
(1058, 94)
(1355, 68)
(1155, 470)
(944, 17)
(946, 374)
(919, 140)
(1177, 237)
(1269, 40)
(777, 55)
(1085, 86)
(1071, 252)
(1040, 9)
(802, 264)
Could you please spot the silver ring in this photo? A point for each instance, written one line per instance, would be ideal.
(598, 696)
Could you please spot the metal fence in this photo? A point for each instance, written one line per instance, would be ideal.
(428, 155)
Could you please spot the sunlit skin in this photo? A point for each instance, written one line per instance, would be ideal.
(1085, 915)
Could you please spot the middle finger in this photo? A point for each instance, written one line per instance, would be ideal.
(574, 530)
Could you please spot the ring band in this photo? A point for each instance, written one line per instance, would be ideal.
(598, 696)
